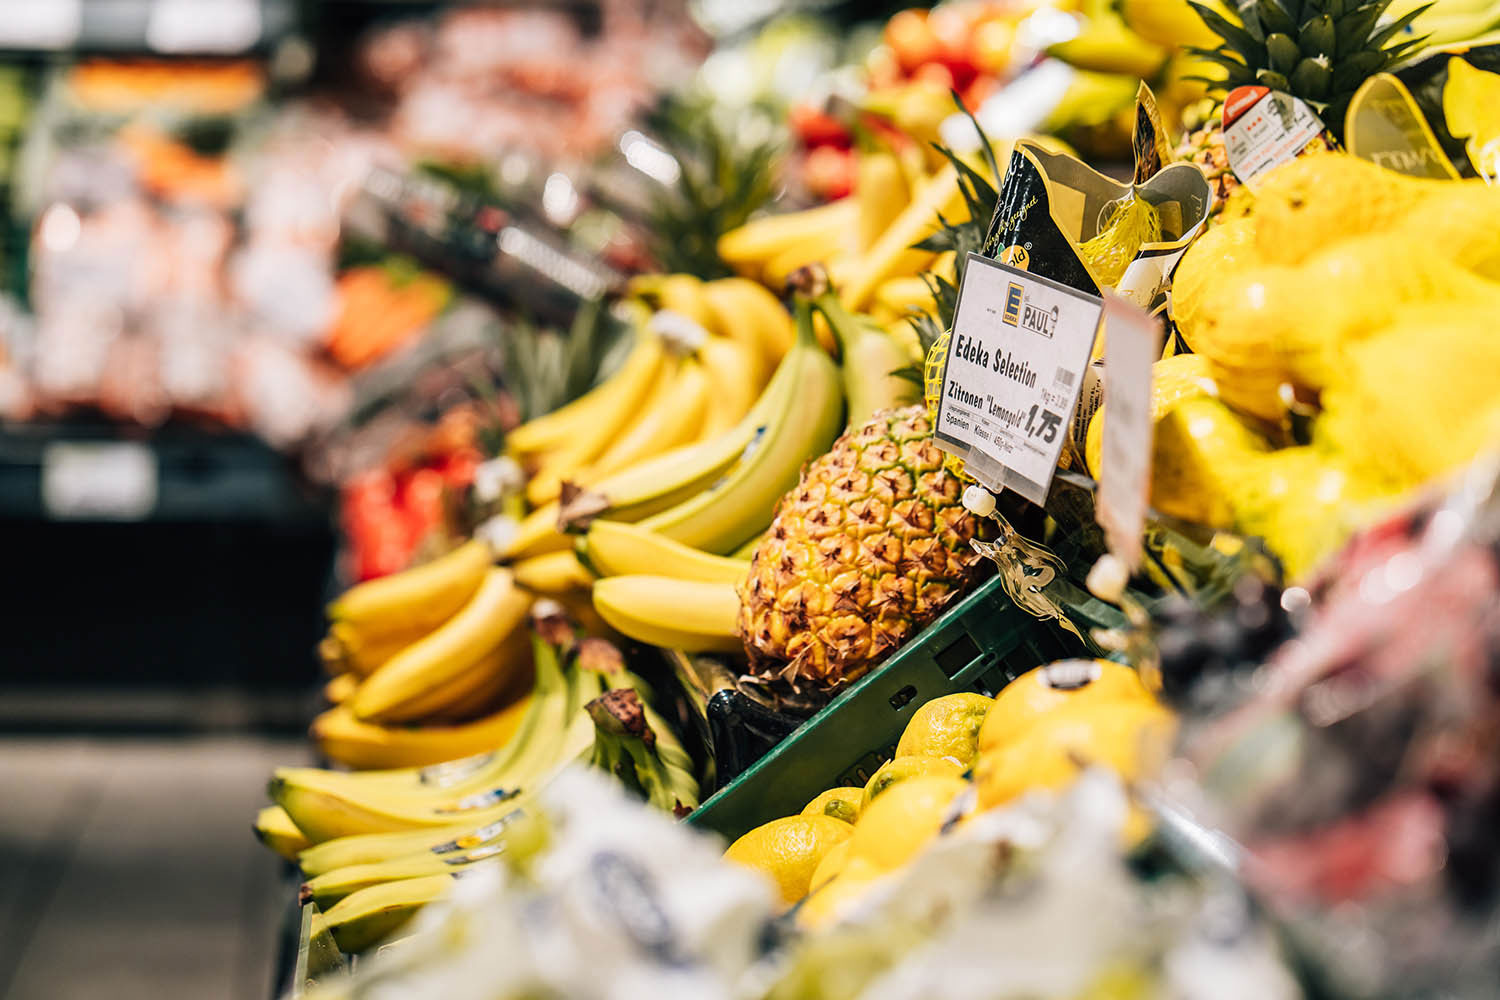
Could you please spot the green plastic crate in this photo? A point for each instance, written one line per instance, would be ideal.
(981, 644)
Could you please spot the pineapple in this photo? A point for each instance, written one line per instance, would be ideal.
(1317, 50)
(867, 550)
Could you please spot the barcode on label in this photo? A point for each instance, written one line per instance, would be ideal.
(1064, 376)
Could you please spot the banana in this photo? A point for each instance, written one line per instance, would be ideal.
(586, 443)
(275, 829)
(899, 296)
(671, 417)
(325, 805)
(892, 255)
(869, 356)
(496, 610)
(346, 650)
(744, 552)
(721, 518)
(364, 746)
(616, 549)
(363, 919)
(328, 889)
(684, 294)
(478, 689)
(553, 575)
(668, 480)
(747, 248)
(689, 615)
(422, 597)
(338, 690)
(818, 250)
(881, 192)
(1107, 45)
(734, 373)
(536, 535)
(748, 312)
(373, 848)
(557, 428)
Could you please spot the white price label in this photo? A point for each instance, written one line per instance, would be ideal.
(109, 480)
(1133, 344)
(41, 24)
(1016, 360)
(203, 25)
(1265, 128)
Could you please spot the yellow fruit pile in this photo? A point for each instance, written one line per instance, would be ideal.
(1356, 295)
(1036, 734)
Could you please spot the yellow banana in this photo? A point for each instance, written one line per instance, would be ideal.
(670, 479)
(277, 831)
(891, 255)
(326, 804)
(495, 611)
(747, 248)
(422, 597)
(901, 295)
(329, 888)
(881, 192)
(536, 535)
(363, 745)
(587, 443)
(1106, 45)
(721, 518)
(817, 250)
(689, 615)
(762, 317)
(616, 549)
(684, 294)
(373, 848)
(868, 357)
(557, 428)
(365, 918)
(671, 418)
(553, 575)
(733, 373)
(338, 690)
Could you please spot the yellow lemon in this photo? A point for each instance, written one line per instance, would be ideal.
(833, 899)
(905, 817)
(789, 850)
(832, 864)
(903, 768)
(1174, 378)
(1126, 736)
(946, 727)
(840, 803)
(1053, 686)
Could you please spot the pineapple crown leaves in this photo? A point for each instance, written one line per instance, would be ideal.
(1317, 50)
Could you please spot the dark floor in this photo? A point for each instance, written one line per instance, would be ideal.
(128, 870)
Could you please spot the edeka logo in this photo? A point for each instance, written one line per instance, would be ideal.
(1013, 301)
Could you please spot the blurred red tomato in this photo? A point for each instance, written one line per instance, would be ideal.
(829, 172)
(818, 128)
(912, 40)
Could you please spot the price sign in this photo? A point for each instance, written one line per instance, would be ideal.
(1133, 344)
(1016, 361)
(109, 480)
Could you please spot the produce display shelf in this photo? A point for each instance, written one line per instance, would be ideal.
(981, 644)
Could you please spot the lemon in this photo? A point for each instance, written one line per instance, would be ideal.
(946, 727)
(1126, 736)
(903, 768)
(832, 864)
(1218, 253)
(834, 897)
(1174, 378)
(840, 803)
(902, 820)
(1196, 454)
(1064, 684)
(789, 850)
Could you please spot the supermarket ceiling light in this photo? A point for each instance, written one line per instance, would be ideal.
(649, 158)
(559, 199)
(60, 228)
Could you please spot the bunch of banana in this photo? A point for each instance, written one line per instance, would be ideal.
(701, 355)
(661, 583)
(432, 663)
(376, 846)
